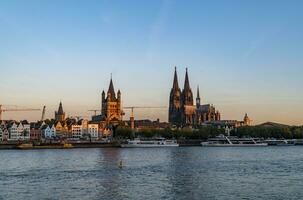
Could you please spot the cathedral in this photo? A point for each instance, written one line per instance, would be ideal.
(183, 112)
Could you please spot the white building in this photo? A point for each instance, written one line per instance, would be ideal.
(25, 132)
(19, 131)
(13, 132)
(49, 131)
(93, 130)
(77, 131)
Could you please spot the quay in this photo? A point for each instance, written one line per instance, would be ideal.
(69, 145)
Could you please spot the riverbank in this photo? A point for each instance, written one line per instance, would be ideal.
(69, 145)
(79, 144)
(112, 144)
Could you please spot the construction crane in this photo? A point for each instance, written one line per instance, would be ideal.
(43, 113)
(132, 118)
(95, 111)
(142, 107)
(13, 110)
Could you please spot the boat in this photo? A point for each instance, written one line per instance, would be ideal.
(224, 141)
(25, 146)
(280, 142)
(67, 146)
(138, 143)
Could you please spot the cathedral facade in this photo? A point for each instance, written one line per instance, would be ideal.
(183, 112)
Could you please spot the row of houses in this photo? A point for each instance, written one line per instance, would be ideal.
(72, 129)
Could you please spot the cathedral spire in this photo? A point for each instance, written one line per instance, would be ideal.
(176, 84)
(186, 83)
(198, 100)
(198, 93)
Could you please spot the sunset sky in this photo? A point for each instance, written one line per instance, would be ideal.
(246, 56)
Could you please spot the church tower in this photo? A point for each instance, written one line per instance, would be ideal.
(247, 121)
(175, 103)
(188, 108)
(198, 100)
(187, 94)
(60, 114)
(111, 105)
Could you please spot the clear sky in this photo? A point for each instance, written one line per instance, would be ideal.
(246, 56)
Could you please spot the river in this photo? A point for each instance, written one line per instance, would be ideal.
(158, 173)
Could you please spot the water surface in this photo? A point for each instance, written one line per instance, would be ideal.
(163, 173)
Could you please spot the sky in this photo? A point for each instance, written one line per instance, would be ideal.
(246, 56)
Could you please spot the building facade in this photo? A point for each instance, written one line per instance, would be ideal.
(19, 131)
(93, 131)
(77, 131)
(49, 131)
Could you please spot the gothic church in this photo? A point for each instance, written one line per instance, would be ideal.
(183, 112)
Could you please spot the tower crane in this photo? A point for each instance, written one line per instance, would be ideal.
(43, 113)
(13, 110)
(132, 118)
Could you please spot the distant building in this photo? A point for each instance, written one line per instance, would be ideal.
(77, 131)
(93, 131)
(247, 121)
(49, 131)
(111, 107)
(19, 131)
(62, 128)
(206, 113)
(4, 134)
(183, 112)
(60, 114)
(35, 134)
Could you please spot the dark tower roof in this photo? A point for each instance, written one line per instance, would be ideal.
(111, 89)
(198, 93)
(60, 110)
(186, 83)
(175, 84)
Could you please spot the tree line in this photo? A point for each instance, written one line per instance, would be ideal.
(184, 133)
(287, 132)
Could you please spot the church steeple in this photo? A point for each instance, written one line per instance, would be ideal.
(187, 92)
(111, 89)
(198, 100)
(174, 116)
(186, 82)
(60, 114)
(175, 84)
(60, 110)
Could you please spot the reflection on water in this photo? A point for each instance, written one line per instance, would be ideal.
(167, 173)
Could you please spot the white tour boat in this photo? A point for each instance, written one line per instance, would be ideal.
(150, 143)
(223, 141)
